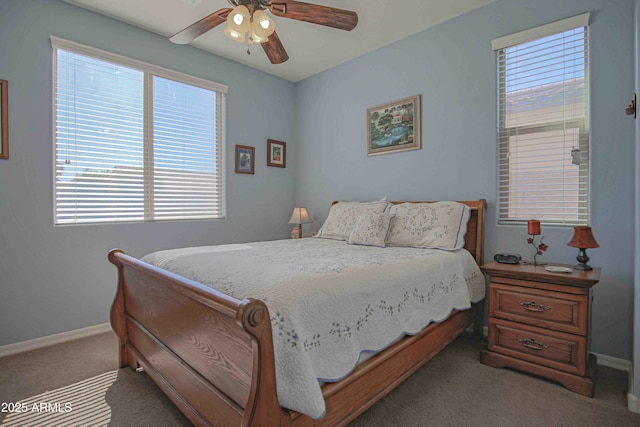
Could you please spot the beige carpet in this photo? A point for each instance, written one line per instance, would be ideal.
(78, 384)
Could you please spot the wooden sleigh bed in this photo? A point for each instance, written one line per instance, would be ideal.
(225, 374)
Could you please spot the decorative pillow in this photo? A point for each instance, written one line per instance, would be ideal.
(371, 229)
(343, 216)
(439, 225)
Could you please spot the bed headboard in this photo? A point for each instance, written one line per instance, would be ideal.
(474, 239)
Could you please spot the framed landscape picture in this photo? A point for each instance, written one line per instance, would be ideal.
(394, 126)
(245, 159)
(276, 153)
(4, 120)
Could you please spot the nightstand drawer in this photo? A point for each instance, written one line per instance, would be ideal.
(546, 309)
(556, 350)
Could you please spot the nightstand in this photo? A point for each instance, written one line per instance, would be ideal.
(539, 322)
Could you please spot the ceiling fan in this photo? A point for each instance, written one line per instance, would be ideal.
(249, 17)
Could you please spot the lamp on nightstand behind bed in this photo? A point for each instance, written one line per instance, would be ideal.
(583, 239)
(299, 216)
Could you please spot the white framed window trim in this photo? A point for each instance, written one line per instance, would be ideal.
(543, 124)
(134, 141)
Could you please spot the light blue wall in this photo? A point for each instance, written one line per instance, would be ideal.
(56, 279)
(453, 67)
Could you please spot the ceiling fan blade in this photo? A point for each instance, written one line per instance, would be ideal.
(316, 14)
(197, 29)
(274, 49)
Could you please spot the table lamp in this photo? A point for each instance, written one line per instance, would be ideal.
(299, 216)
(583, 239)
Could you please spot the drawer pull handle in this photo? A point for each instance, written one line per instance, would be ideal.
(534, 306)
(532, 343)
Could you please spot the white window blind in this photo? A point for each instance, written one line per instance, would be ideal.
(543, 133)
(133, 141)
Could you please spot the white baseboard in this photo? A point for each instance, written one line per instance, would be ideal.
(633, 403)
(34, 344)
(614, 362)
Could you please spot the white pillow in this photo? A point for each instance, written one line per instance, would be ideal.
(343, 216)
(371, 230)
(439, 225)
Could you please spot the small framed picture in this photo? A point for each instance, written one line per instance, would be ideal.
(276, 153)
(245, 159)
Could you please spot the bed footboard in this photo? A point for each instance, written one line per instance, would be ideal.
(210, 353)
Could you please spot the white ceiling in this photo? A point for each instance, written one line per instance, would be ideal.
(311, 48)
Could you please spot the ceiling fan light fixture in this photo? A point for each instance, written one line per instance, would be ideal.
(234, 35)
(238, 23)
(262, 24)
(253, 17)
(238, 19)
(244, 22)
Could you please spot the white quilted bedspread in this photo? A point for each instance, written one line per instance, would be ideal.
(330, 301)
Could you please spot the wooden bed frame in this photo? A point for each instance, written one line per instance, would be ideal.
(213, 354)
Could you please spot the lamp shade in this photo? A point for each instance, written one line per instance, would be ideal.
(238, 23)
(583, 238)
(262, 25)
(300, 216)
(239, 18)
(533, 227)
(233, 34)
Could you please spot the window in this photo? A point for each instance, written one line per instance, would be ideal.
(543, 132)
(133, 141)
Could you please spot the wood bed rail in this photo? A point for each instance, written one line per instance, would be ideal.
(195, 341)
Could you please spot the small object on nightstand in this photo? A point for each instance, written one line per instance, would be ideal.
(558, 269)
(583, 239)
(505, 258)
(299, 216)
(533, 229)
(539, 322)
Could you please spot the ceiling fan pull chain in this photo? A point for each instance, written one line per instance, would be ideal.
(248, 47)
